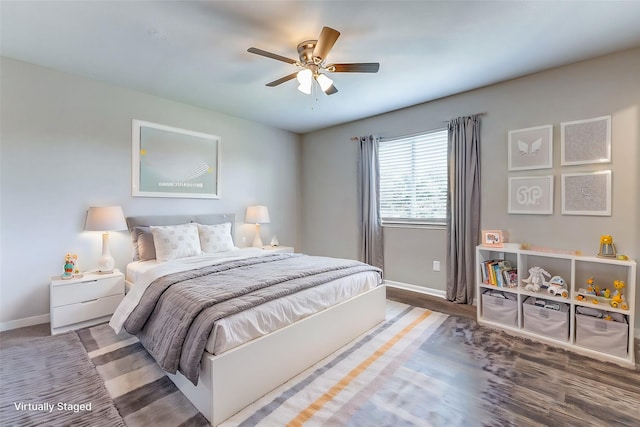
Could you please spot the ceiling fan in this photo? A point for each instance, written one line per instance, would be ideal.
(313, 55)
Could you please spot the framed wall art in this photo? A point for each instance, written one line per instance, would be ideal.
(531, 148)
(173, 162)
(531, 195)
(586, 193)
(585, 141)
(492, 238)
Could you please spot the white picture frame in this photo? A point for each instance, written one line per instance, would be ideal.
(530, 195)
(173, 162)
(585, 141)
(530, 148)
(587, 193)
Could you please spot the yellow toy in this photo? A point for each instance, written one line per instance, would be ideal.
(618, 300)
(591, 288)
(607, 248)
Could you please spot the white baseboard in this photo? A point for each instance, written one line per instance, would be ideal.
(27, 321)
(420, 289)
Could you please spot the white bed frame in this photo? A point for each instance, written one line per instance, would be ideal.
(233, 380)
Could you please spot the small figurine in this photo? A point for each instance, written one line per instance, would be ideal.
(69, 267)
(557, 286)
(618, 300)
(591, 288)
(536, 279)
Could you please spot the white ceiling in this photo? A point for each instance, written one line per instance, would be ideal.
(196, 52)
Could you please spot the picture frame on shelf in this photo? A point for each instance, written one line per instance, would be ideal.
(492, 238)
(585, 141)
(531, 148)
(173, 162)
(530, 195)
(587, 193)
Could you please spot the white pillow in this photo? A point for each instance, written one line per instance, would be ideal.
(215, 238)
(176, 241)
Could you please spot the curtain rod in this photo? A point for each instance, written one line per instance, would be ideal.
(357, 138)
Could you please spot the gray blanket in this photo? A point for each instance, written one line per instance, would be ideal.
(176, 313)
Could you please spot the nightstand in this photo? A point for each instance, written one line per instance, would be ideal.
(92, 299)
(279, 249)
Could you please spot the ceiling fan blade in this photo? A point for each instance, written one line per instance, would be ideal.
(361, 67)
(327, 39)
(282, 79)
(332, 89)
(271, 55)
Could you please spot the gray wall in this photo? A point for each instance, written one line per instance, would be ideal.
(66, 145)
(608, 85)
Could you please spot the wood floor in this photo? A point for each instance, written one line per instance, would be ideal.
(510, 381)
(486, 377)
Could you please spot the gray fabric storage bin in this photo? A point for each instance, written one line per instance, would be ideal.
(606, 336)
(546, 322)
(498, 309)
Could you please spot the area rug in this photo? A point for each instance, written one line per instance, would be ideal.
(50, 381)
(349, 387)
(141, 391)
(362, 384)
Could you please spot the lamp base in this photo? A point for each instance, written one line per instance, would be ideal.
(105, 264)
(257, 241)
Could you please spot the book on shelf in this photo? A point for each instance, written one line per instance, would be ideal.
(493, 273)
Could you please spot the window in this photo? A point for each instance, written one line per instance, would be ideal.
(413, 178)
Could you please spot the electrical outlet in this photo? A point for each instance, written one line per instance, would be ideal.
(436, 265)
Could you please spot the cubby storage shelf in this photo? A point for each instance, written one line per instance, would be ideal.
(591, 336)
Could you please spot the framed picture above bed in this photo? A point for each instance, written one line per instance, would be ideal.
(173, 162)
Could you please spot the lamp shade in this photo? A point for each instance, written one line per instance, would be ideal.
(324, 82)
(305, 79)
(108, 218)
(257, 215)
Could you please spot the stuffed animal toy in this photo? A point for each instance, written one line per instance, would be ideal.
(557, 286)
(536, 280)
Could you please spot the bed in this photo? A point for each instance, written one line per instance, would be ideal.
(246, 353)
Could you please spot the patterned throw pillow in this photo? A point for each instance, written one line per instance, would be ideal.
(215, 238)
(176, 241)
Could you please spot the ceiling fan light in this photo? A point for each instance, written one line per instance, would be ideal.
(305, 89)
(305, 78)
(324, 82)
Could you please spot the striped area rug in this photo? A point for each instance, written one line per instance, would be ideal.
(364, 383)
(371, 382)
(142, 393)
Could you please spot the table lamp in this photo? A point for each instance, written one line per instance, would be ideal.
(105, 219)
(257, 215)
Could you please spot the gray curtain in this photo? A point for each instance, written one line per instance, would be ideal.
(371, 249)
(463, 210)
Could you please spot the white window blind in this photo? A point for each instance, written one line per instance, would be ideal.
(413, 178)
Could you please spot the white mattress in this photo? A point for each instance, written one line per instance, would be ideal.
(240, 328)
